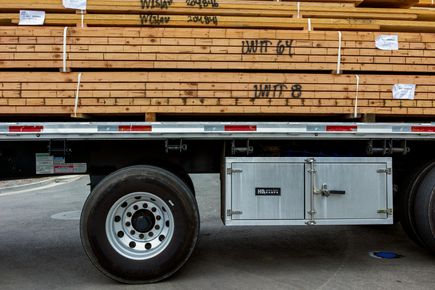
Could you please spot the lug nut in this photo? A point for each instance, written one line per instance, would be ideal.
(127, 224)
(157, 227)
(158, 217)
(135, 207)
(154, 209)
(132, 232)
(129, 214)
(150, 234)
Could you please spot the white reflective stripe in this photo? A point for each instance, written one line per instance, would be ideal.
(356, 99)
(339, 52)
(82, 17)
(64, 48)
(77, 95)
(309, 24)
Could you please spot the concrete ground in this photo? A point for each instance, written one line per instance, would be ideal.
(40, 248)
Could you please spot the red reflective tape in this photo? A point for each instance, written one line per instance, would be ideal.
(240, 128)
(422, 129)
(342, 128)
(135, 128)
(25, 128)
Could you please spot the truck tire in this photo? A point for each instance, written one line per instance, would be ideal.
(140, 224)
(424, 209)
(406, 201)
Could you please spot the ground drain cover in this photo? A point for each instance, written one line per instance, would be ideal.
(384, 255)
(68, 215)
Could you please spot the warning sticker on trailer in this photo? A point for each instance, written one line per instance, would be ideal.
(267, 191)
(70, 168)
(47, 164)
(44, 163)
(64, 168)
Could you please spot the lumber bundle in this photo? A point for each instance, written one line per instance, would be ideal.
(162, 48)
(217, 57)
(330, 15)
(203, 92)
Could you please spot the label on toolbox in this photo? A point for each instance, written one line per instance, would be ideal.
(31, 17)
(267, 191)
(74, 4)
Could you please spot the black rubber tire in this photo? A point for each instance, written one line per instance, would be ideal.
(159, 182)
(424, 209)
(406, 201)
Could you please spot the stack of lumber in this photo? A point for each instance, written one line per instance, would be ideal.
(217, 56)
(210, 92)
(198, 48)
(337, 15)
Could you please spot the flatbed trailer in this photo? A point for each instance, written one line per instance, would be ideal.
(141, 222)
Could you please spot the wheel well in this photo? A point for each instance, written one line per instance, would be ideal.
(169, 166)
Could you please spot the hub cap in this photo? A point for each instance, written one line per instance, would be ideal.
(139, 226)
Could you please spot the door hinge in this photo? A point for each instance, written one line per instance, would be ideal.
(231, 212)
(387, 211)
(387, 171)
(230, 170)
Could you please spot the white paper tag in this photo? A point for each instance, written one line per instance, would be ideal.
(31, 17)
(75, 4)
(387, 42)
(404, 92)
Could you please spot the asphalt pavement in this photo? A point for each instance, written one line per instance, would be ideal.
(40, 248)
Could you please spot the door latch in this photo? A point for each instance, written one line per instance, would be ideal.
(326, 192)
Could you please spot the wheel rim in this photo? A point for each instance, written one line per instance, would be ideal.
(139, 226)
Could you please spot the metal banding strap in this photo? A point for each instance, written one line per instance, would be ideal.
(356, 99)
(77, 94)
(64, 49)
(339, 52)
(299, 7)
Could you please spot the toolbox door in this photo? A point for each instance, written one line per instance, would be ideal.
(348, 190)
(267, 191)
